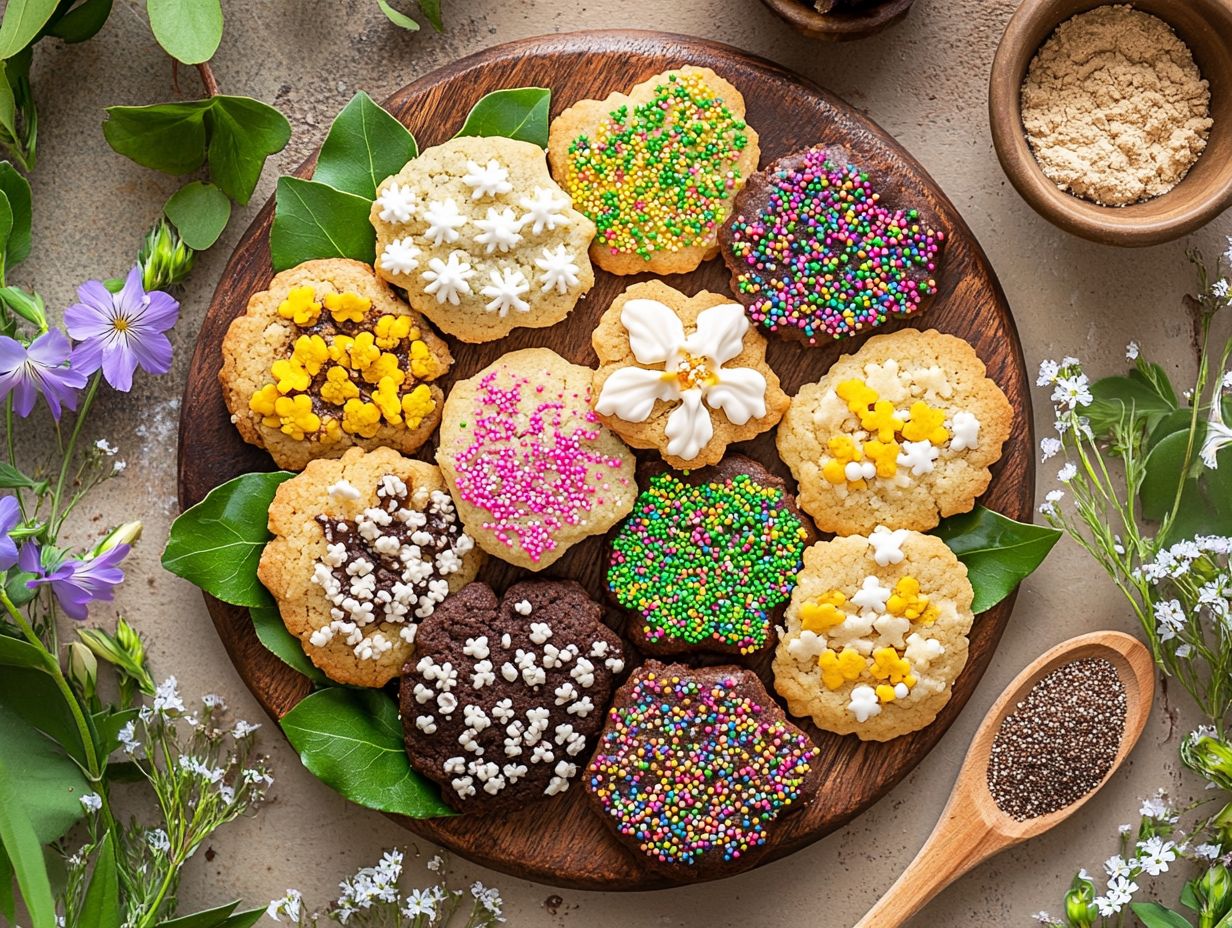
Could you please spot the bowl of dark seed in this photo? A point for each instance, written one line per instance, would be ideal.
(840, 20)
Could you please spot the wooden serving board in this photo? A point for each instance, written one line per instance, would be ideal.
(562, 841)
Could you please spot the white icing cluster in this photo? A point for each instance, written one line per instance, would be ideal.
(527, 739)
(495, 232)
(357, 604)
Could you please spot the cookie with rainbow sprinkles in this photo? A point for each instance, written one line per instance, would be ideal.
(329, 358)
(901, 433)
(822, 248)
(656, 169)
(705, 559)
(875, 634)
(696, 767)
(531, 467)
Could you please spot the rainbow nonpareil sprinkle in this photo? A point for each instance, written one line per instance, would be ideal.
(659, 176)
(532, 471)
(693, 767)
(707, 563)
(824, 258)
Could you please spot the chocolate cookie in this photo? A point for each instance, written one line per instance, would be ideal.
(503, 699)
(705, 559)
(820, 247)
(695, 767)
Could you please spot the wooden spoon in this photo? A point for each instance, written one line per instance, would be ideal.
(972, 828)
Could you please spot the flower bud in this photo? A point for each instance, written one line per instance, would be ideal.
(82, 668)
(1208, 756)
(1080, 908)
(1213, 890)
(28, 306)
(126, 534)
(164, 258)
(1220, 827)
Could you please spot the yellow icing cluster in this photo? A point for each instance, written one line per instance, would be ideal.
(885, 427)
(365, 382)
(887, 666)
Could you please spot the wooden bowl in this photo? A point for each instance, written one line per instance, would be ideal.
(1206, 191)
(840, 25)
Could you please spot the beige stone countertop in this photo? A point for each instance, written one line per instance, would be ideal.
(925, 82)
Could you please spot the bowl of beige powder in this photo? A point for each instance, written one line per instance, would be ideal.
(1114, 120)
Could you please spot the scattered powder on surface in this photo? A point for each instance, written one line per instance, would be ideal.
(1060, 741)
(1114, 107)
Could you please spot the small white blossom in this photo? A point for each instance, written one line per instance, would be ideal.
(1155, 807)
(158, 841)
(128, 739)
(1219, 289)
(1050, 447)
(167, 697)
(106, 447)
(243, 729)
(290, 905)
(1154, 855)
(92, 802)
(1131, 351)
(1207, 851)
(419, 902)
(1117, 865)
(1067, 473)
(1048, 371)
(213, 701)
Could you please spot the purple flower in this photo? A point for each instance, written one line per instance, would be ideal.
(120, 332)
(77, 583)
(10, 515)
(42, 368)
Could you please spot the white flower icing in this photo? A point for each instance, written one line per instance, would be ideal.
(919, 456)
(398, 204)
(560, 271)
(444, 220)
(506, 290)
(448, 280)
(872, 596)
(965, 429)
(544, 210)
(400, 256)
(864, 704)
(489, 180)
(656, 337)
(498, 230)
(887, 545)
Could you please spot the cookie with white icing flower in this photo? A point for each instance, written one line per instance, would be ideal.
(686, 375)
(328, 358)
(482, 239)
(531, 466)
(901, 433)
(697, 767)
(503, 699)
(656, 168)
(364, 549)
(875, 634)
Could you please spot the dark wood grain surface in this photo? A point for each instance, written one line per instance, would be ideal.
(562, 841)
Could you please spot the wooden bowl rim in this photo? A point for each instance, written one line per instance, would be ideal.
(1151, 222)
(855, 24)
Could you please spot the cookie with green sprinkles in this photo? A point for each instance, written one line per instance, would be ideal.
(655, 169)
(821, 247)
(707, 560)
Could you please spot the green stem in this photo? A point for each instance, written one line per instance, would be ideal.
(11, 441)
(69, 451)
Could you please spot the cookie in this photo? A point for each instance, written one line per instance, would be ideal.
(503, 699)
(327, 359)
(364, 549)
(656, 169)
(482, 239)
(685, 375)
(695, 768)
(821, 247)
(875, 634)
(705, 558)
(901, 433)
(532, 468)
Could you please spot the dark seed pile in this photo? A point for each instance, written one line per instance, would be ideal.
(1060, 741)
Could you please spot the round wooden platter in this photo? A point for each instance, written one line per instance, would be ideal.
(562, 841)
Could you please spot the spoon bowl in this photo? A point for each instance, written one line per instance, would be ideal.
(972, 827)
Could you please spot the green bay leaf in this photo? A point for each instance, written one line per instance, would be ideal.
(167, 137)
(998, 551)
(398, 18)
(518, 113)
(243, 133)
(23, 846)
(101, 906)
(200, 212)
(217, 543)
(52, 783)
(23, 21)
(314, 220)
(17, 189)
(281, 643)
(351, 740)
(188, 30)
(365, 145)
(82, 22)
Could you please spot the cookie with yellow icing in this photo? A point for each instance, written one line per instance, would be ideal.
(875, 634)
(901, 433)
(482, 239)
(328, 358)
(684, 375)
(656, 169)
(364, 549)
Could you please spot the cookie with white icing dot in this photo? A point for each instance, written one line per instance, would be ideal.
(875, 633)
(482, 239)
(503, 698)
(365, 548)
(901, 433)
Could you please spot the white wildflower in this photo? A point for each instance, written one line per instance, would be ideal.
(167, 697)
(1117, 866)
(1219, 289)
(1155, 854)
(1072, 392)
(1207, 851)
(243, 729)
(1218, 437)
(1049, 447)
(106, 447)
(419, 902)
(1067, 473)
(1132, 352)
(128, 738)
(92, 802)
(1048, 371)
(1184, 650)
(213, 701)
(1155, 807)
(158, 841)
(1169, 619)
(290, 905)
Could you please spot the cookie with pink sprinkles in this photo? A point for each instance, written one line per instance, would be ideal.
(822, 248)
(531, 467)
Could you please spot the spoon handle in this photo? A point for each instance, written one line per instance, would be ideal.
(961, 840)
